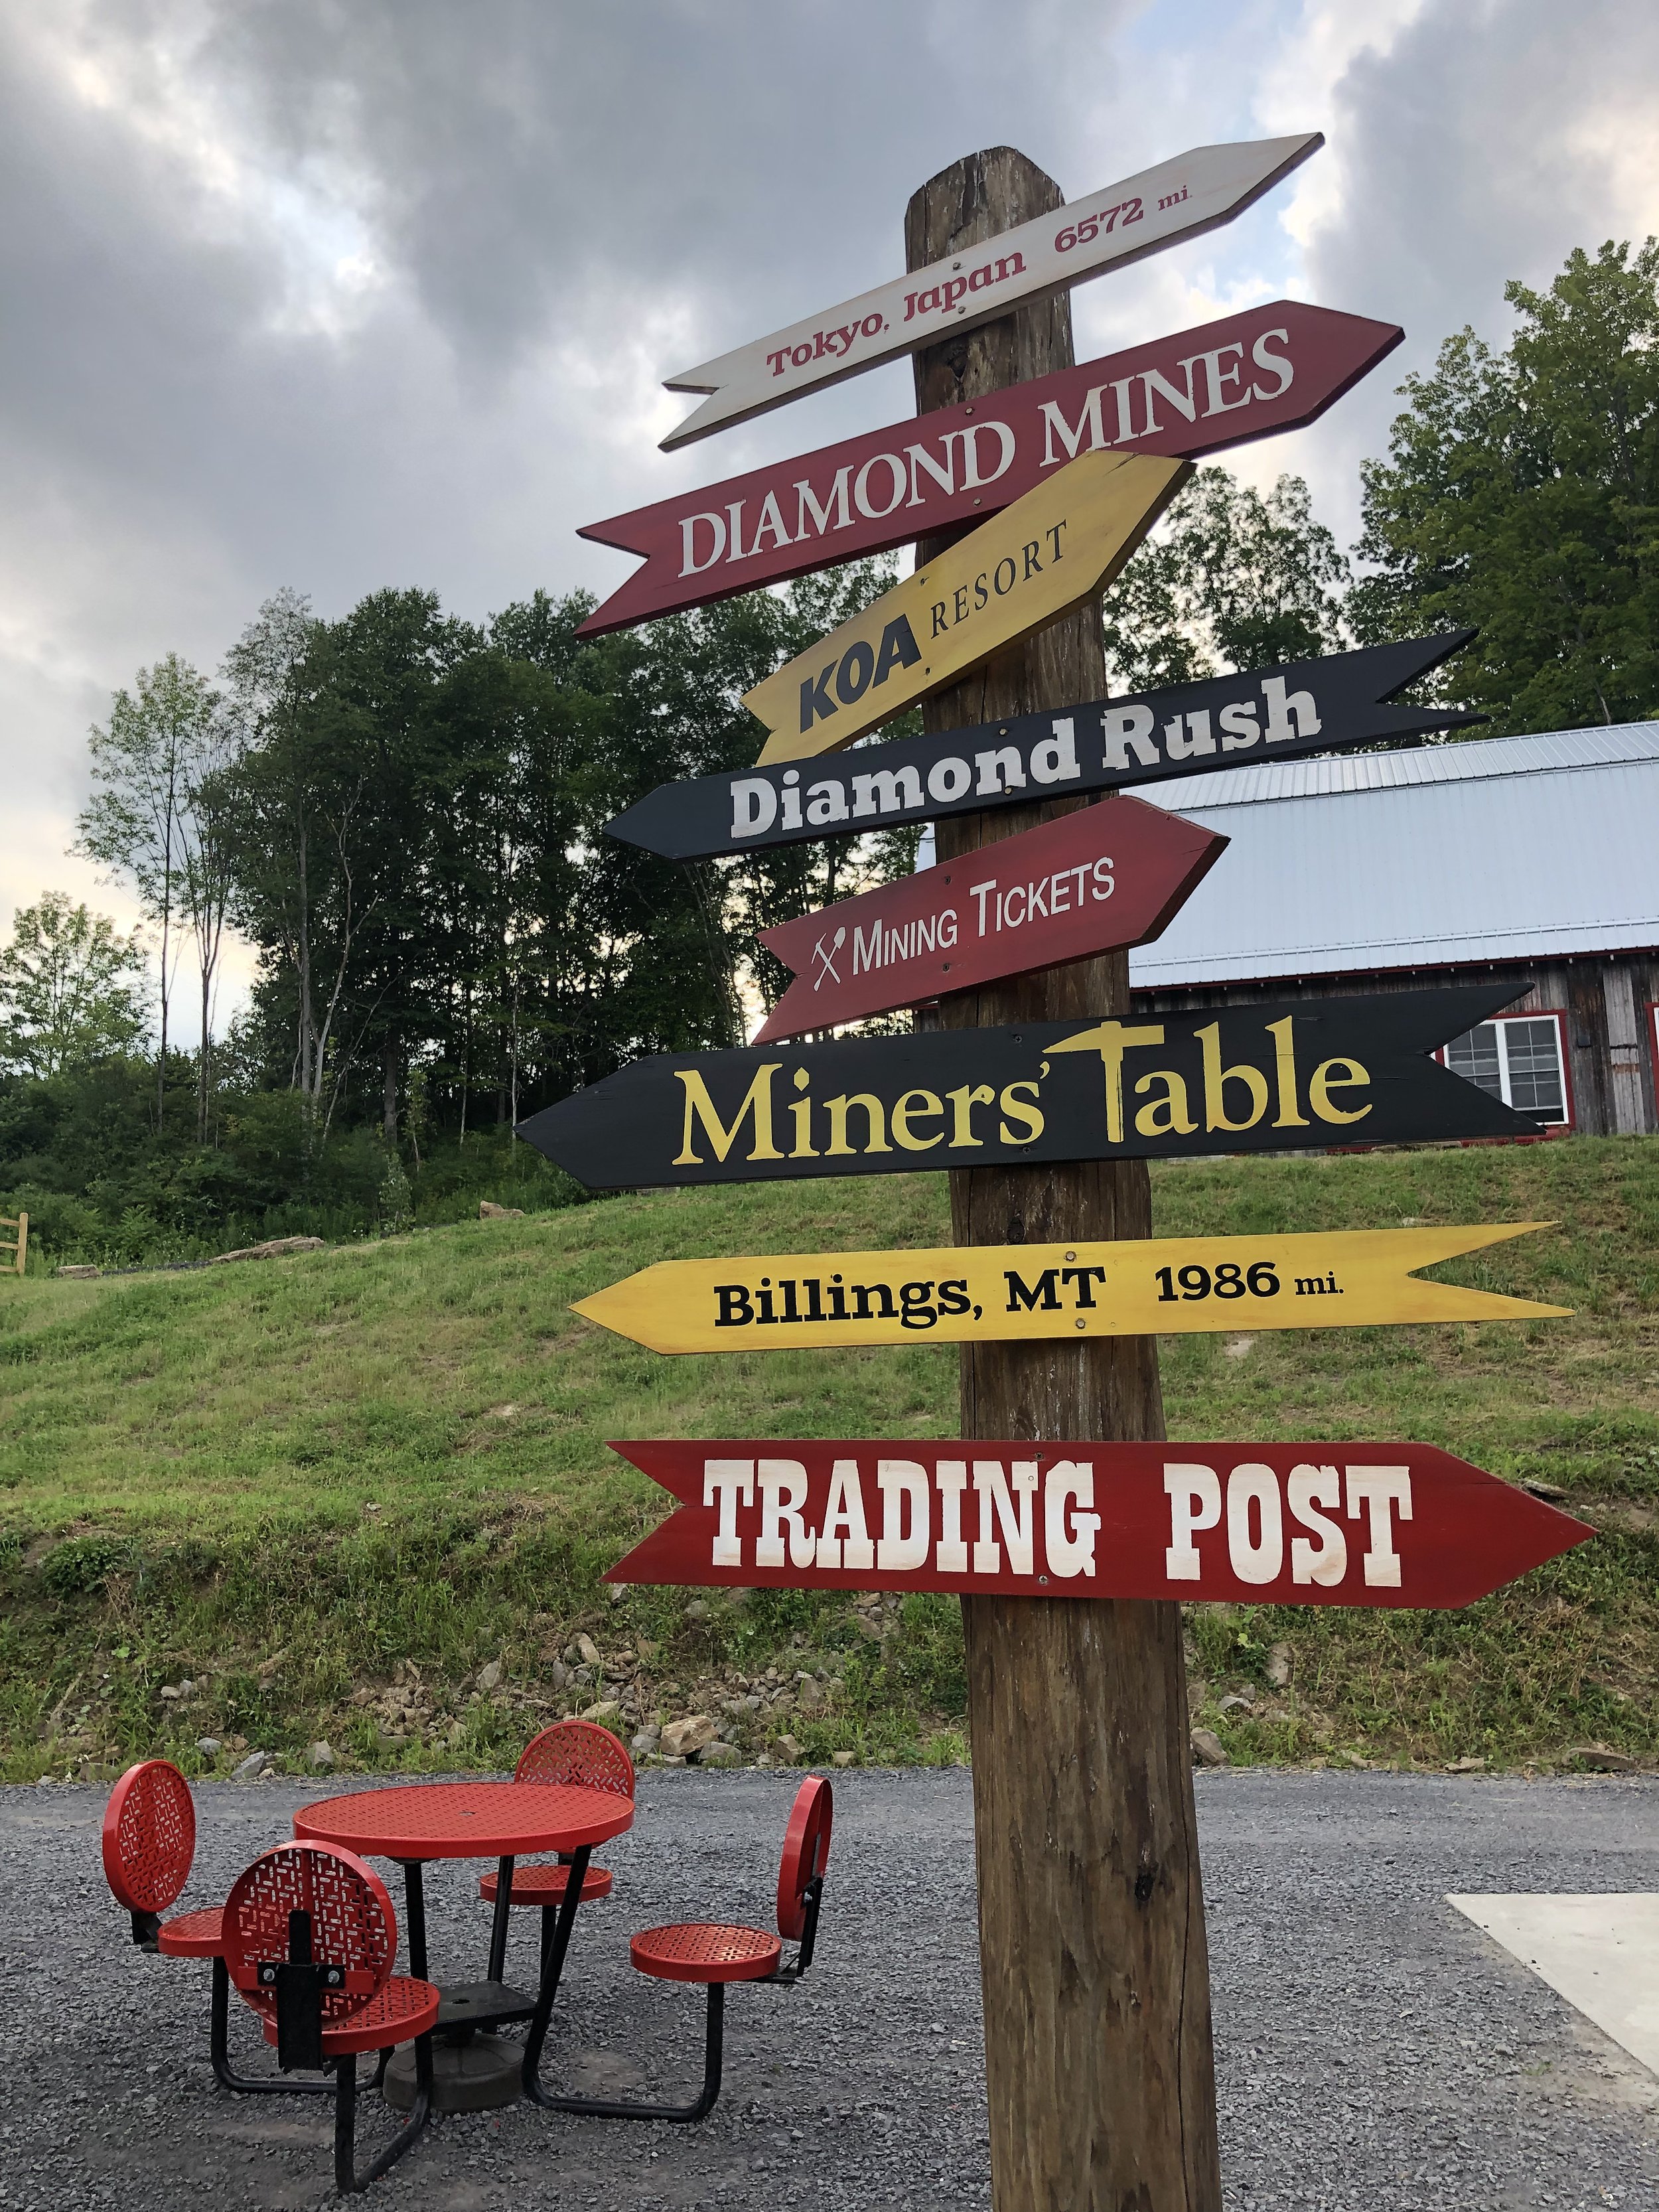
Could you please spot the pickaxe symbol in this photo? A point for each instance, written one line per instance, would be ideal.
(827, 965)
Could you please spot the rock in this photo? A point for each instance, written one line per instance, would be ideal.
(681, 1738)
(321, 1756)
(866, 1627)
(696, 1610)
(589, 1650)
(1468, 1767)
(1280, 1661)
(558, 1673)
(720, 1755)
(1602, 1758)
(808, 1694)
(252, 1766)
(76, 1274)
(489, 1212)
(168, 1690)
(1234, 1703)
(390, 1739)
(789, 1751)
(1413, 1221)
(1356, 1758)
(489, 1676)
(842, 1758)
(273, 1249)
(603, 1713)
(1238, 1347)
(644, 1739)
(208, 1746)
(1208, 1750)
(1549, 1489)
(186, 1688)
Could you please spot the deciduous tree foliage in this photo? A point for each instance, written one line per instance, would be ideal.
(1520, 493)
(1231, 578)
(70, 989)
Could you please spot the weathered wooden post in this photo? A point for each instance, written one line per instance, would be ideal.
(1093, 1956)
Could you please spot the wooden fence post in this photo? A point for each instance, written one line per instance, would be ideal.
(20, 1243)
(1094, 1964)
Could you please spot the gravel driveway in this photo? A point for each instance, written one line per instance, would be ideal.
(1374, 2049)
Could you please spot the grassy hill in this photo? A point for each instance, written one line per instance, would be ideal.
(327, 1491)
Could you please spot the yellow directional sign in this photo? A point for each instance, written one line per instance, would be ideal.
(1032, 563)
(1160, 1285)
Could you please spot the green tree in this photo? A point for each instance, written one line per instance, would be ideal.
(71, 989)
(1521, 494)
(157, 747)
(1230, 578)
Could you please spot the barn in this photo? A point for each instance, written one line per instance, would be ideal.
(1531, 861)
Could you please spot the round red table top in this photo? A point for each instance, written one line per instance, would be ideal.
(466, 1820)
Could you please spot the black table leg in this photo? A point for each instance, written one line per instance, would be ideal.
(415, 1918)
(552, 1968)
(498, 1926)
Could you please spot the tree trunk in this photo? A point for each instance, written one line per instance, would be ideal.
(1093, 1959)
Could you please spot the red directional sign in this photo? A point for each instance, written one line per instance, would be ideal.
(1244, 376)
(1373, 1524)
(1109, 875)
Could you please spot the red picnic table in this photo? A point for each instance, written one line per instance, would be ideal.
(413, 1822)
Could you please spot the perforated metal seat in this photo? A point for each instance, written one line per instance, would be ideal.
(546, 1885)
(149, 1845)
(192, 1935)
(310, 1938)
(704, 1951)
(398, 2011)
(715, 1953)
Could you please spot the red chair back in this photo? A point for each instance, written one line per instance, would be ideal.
(805, 1854)
(352, 1924)
(578, 1752)
(149, 1836)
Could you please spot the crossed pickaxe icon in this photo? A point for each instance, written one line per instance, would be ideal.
(826, 960)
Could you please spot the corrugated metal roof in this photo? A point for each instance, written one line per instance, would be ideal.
(1497, 848)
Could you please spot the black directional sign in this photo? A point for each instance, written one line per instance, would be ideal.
(1291, 1077)
(1187, 729)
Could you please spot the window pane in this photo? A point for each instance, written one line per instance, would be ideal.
(1534, 1051)
(1474, 1057)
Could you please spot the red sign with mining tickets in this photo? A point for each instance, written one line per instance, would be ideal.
(1245, 376)
(1371, 1524)
(1108, 875)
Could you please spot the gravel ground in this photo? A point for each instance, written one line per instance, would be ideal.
(1374, 2049)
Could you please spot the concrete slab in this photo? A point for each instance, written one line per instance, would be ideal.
(1600, 1953)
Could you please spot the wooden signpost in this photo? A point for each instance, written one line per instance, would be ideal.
(1247, 376)
(1367, 1524)
(1104, 745)
(1282, 1077)
(1044, 1093)
(1163, 1285)
(1108, 875)
(1038, 558)
(1197, 191)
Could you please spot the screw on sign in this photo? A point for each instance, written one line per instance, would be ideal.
(1194, 193)
(974, 1293)
(1038, 558)
(1103, 744)
(1281, 1077)
(1367, 1524)
(1107, 875)
(1247, 376)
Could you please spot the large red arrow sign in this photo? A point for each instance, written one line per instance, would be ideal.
(1245, 376)
(1375, 1524)
(1108, 875)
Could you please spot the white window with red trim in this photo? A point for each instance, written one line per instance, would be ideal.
(1520, 1058)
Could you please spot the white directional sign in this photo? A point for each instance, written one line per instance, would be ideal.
(1196, 191)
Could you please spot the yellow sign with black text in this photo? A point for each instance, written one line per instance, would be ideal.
(1032, 563)
(1160, 1285)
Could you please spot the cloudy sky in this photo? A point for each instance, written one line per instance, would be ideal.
(342, 293)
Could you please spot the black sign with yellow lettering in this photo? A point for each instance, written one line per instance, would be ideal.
(1290, 1076)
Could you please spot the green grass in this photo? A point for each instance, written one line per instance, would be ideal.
(366, 1471)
